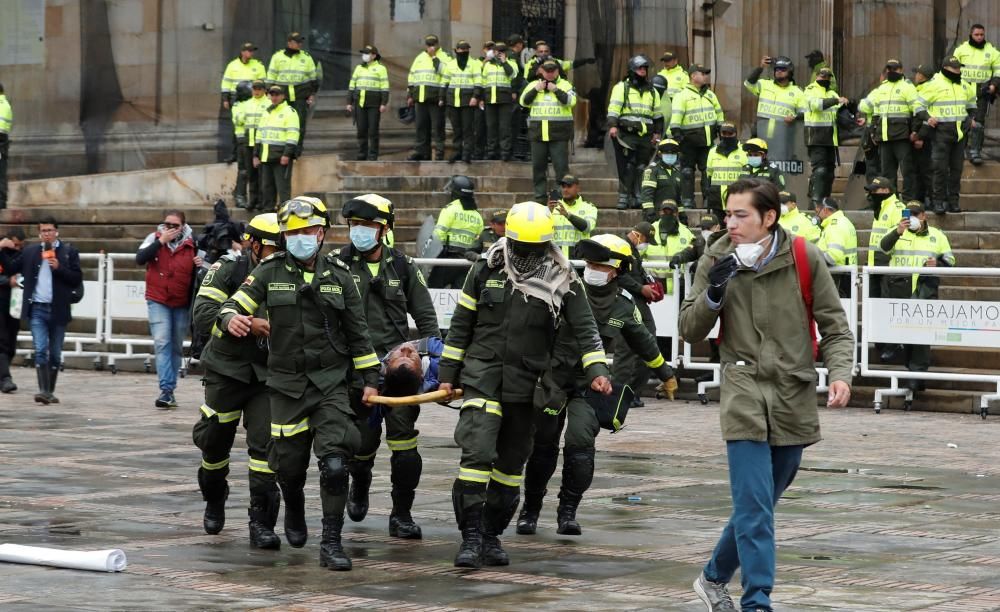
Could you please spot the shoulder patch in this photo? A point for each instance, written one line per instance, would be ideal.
(616, 323)
(249, 280)
(637, 315)
(331, 289)
(496, 283)
(215, 266)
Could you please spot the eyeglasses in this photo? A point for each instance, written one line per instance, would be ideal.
(171, 225)
(299, 208)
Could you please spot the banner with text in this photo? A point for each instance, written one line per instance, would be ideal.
(934, 322)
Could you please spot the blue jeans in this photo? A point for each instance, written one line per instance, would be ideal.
(758, 475)
(46, 336)
(168, 327)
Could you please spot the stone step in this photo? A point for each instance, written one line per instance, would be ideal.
(958, 239)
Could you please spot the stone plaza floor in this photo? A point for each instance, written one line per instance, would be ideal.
(890, 512)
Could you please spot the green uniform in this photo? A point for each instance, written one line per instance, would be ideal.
(621, 326)
(798, 223)
(577, 226)
(660, 182)
(628, 367)
(822, 138)
(457, 228)
(550, 128)
(498, 371)
(390, 288)
(766, 172)
(723, 168)
(318, 335)
(368, 91)
(235, 387)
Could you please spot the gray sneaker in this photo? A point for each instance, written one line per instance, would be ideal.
(715, 595)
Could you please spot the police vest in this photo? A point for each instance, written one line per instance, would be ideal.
(290, 71)
(725, 169)
(546, 107)
(459, 80)
(775, 101)
(423, 73)
(978, 65)
(369, 77)
(566, 234)
(676, 78)
(949, 102)
(693, 109)
(885, 221)
(279, 126)
(839, 240)
(891, 101)
(496, 82)
(458, 228)
(6, 115)
(912, 250)
(634, 109)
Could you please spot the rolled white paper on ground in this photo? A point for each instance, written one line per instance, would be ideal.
(111, 560)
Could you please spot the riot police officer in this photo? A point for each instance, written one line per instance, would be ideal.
(458, 227)
(635, 122)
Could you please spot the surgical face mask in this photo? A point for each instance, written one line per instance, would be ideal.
(490, 54)
(366, 57)
(302, 246)
(596, 278)
(894, 76)
(669, 158)
(784, 209)
(755, 161)
(914, 224)
(705, 234)
(364, 238)
(642, 246)
(748, 254)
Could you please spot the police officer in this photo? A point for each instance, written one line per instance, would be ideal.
(573, 217)
(628, 367)
(817, 62)
(6, 124)
(838, 241)
(423, 91)
(458, 227)
(673, 243)
(635, 122)
(276, 148)
(295, 70)
(479, 123)
(620, 324)
(317, 335)
(822, 103)
(887, 210)
(893, 105)
(779, 99)
(391, 287)
(794, 221)
(524, 281)
(757, 165)
(951, 103)
(724, 165)
(500, 73)
(244, 92)
(550, 101)
(368, 94)
(462, 87)
(914, 244)
(980, 63)
(543, 53)
(661, 180)
(518, 123)
(495, 229)
(923, 145)
(694, 119)
(244, 67)
(669, 81)
(236, 386)
(246, 123)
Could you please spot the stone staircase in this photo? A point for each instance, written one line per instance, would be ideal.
(416, 189)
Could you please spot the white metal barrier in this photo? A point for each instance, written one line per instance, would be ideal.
(929, 322)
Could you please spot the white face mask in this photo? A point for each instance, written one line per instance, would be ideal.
(914, 224)
(642, 246)
(596, 278)
(366, 57)
(784, 209)
(748, 254)
(490, 54)
(705, 234)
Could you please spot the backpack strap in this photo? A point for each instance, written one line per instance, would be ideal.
(801, 259)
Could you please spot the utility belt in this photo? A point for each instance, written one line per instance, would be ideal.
(633, 126)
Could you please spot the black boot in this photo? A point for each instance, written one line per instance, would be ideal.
(214, 491)
(578, 474)
(53, 376)
(622, 202)
(953, 206)
(331, 552)
(6, 382)
(401, 523)
(527, 520)
(296, 531)
(501, 503)
(263, 508)
(537, 473)
(939, 207)
(361, 482)
(467, 499)
(566, 516)
(42, 397)
(406, 467)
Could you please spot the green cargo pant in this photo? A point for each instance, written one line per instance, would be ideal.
(541, 153)
(275, 184)
(226, 401)
(498, 139)
(628, 368)
(400, 427)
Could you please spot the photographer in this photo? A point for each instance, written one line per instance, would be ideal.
(170, 257)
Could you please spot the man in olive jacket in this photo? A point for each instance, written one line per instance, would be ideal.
(768, 389)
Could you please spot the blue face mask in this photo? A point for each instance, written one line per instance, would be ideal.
(302, 246)
(755, 161)
(364, 238)
(669, 159)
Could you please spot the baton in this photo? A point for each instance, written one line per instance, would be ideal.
(408, 400)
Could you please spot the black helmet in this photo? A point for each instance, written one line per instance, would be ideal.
(407, 114)
(461, 186)
(244, 90)
(783, 62)
(637, 62)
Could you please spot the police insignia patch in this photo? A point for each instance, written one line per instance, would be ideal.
(249, 280)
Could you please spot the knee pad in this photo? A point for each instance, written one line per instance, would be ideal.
(406, 466)
(578, 469)
(333, 474)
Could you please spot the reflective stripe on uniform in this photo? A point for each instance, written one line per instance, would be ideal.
(213, 294)
(244, 300)
(366, 361)
(367, 457)
(467, 301)
(289, 430)
(511, 480)
(257, 465)
(224, 417)
(471, 475)
(656, 362)
(489, 406)
(205, 465)
(593, 357)
(402, 445)
(451, 352)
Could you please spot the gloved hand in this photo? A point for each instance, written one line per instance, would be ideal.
(472, 256)
(675, 262)
(719, 275)
(667, 389)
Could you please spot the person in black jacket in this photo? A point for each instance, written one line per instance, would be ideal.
(51, 270)
(9, 326)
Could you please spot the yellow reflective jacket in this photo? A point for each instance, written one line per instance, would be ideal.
(498, 79)
(566, 233)
(694, 113)
(298, 73)
(724, 170)
(886, 220)
(635, 110)
(912, 250)
(551, 112)
(838, 240)
(369, 85)
(800, 224)
(894, 105)
(237, 71)
(6, 117)
(458, 228)
(424, 80)
(950, 103)
(278, 133)
(461, 85)
(978, 65)
(821, 106)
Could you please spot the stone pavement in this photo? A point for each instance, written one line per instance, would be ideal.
(884, 515)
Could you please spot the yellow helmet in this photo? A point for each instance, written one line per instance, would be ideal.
(301, 212)
(264, 228)
(755, 144)
(368, 207)
(606, 249)
(530, 222)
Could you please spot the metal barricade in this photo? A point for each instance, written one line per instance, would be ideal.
(936, 322)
